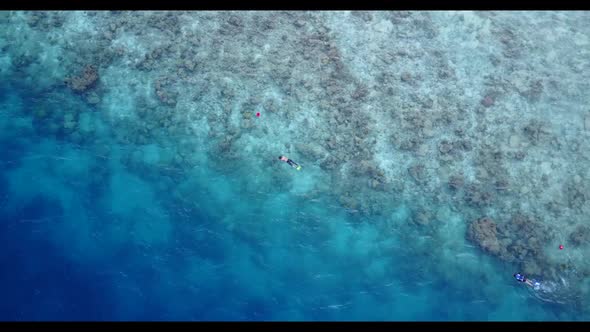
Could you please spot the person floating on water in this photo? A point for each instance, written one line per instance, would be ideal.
(290, 162)
(522, 278)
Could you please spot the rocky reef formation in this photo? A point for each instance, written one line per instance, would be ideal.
(521, 240)
(484, 233)
(84, 80)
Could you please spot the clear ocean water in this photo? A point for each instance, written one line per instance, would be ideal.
(137, 181)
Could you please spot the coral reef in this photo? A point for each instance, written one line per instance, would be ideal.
(580, 236)
(484, 233)
(84, 80)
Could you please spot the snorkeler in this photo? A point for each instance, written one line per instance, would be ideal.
(522, 278)
(290, 162)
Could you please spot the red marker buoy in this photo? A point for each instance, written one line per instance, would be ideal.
(561, 247)
(258, 114)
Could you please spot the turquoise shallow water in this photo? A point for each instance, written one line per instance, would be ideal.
(147, 188)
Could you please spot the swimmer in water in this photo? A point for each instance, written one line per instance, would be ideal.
(290, 162)
(531, 282)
